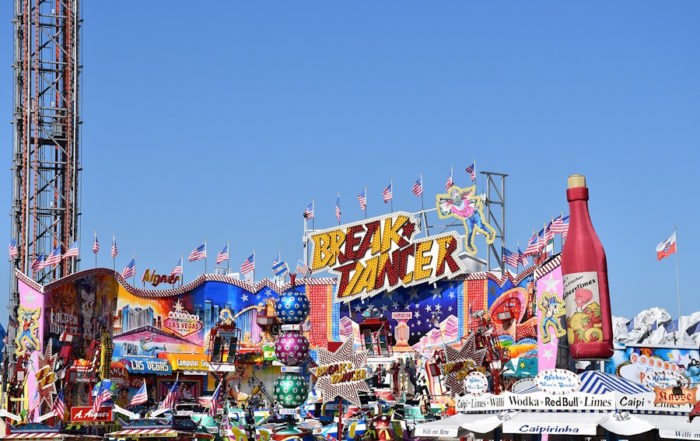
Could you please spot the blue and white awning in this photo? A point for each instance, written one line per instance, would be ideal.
(597, 382)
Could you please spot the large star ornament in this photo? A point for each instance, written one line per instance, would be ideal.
(460, 362)
(46, 377)
(341, 373)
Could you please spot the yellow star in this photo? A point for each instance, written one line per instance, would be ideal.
(522, 365)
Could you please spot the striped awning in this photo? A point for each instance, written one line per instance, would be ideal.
(597, 382)
(34, 435)
(144, 433)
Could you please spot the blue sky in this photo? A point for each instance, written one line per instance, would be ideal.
(222, 121)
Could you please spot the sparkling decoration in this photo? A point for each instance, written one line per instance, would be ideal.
(292, 307)
(291, 390)
(341, 373)
(291, 348)
(459, 363)
(46, 377)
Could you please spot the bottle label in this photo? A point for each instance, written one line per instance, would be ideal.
(582, 300)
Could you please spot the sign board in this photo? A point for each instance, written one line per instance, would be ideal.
(568, 428)
(85, 414)
(557, 381)
(675, 395)
(155, 279)
(382, 254)
(181, 322)
(536, 401)
(476, 383)
(188, 362)
(642, 403)
(436, 432)
(147, 365)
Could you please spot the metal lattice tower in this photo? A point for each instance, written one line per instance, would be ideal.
(46, 119)
(495, 202)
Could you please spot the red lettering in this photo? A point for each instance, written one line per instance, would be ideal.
(344, 271)
(372, 229)
(449, 258)
(351, 240)
(390, 270)
(403, 260)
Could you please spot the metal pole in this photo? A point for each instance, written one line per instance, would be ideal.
(391, 201)
(205, 257)
(678, 285)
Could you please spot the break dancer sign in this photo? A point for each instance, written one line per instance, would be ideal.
(382, 254)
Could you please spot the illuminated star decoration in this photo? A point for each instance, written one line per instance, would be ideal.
(46, 377)
(460, 362)
(333, 366)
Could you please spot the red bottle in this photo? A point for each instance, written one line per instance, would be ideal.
(585, 272)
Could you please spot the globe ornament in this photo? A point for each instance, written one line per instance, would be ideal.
(291, 390)
(292, 308)
(291, 348)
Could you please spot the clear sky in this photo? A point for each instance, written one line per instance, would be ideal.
(220, 121)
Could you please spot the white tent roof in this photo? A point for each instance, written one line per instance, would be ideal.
(556, 423)
(625, 424)
(673, 426)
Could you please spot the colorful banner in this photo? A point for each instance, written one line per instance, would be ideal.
(656, 366)
(383, 253)
(551, 316)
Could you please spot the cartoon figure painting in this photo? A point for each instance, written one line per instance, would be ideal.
(552, 308)
(27, 339)
(465, 205)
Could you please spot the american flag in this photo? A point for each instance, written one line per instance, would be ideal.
(129, 270)
(449, 182)
(387, 194)
(95, 245)
(36, 401)
(115, 251)
(248, 265)
(279, 267)
(560, 225)
(417, 188)
(337, 208)
(531, 245)
(141, 395)
(12, 249)
(523, 258)
(38, 263)
(223, 255)
(59, 406)
(73, 251)
(303, 269)
(198, 253)
(215, 400)
(510, 257)
(169, 400)
(177, 269)
(362, 198)
(54, 258)
(471, 171)
(309, 211)
(103, 396)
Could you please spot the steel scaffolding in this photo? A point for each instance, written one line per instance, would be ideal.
(46, 120)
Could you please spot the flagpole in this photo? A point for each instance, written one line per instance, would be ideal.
(365, 210)
(313, 209)
(205, 257)
(114, 258)
(228, 260)
(254, 267)
(425, 215)
(391, 201)
(133, 277)
(182, 264)
(95, 253)
(678, 285)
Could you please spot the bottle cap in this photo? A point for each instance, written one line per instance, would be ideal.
(576, 180)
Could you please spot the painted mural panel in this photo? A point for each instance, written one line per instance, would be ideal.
(31, 320)
(656, 366)
(551, 313)
(77, 310)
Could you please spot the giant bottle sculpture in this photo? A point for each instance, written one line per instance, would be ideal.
(585, 273)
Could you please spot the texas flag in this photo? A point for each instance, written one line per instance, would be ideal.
(667, 247)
